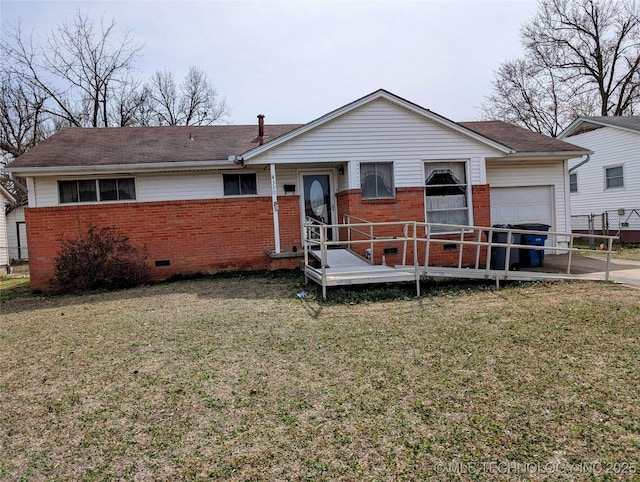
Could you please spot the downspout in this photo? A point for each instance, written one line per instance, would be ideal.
(567, 194)
(581, 163)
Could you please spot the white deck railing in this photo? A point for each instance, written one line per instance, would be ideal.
(363, 232)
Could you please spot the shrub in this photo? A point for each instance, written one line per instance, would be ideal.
(103, 258)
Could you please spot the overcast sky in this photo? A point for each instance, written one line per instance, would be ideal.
(294, 61)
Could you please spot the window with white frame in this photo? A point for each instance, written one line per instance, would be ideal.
(446, 194)
(376, 180)
(573, 182)
(243, 184)
(97, 190)
(614, 177)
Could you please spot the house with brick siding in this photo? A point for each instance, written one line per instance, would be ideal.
(206, 199)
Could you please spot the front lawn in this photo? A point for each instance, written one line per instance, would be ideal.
(240, 379)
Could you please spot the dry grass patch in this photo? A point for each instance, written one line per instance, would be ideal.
(239, 379)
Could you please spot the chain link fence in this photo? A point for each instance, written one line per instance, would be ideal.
(624, 223)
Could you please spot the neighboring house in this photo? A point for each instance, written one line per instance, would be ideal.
(5, 198)
(205, 199)
(17, 234)
(608, 185)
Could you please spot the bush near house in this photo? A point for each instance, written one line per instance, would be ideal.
(102, 259)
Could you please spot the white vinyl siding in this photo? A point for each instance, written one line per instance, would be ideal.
(4, 245)
(611, 147)
(16, 234)
(528, 174)
(173, 186)
(381, 132)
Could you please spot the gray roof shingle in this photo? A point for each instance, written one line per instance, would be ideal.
(630, 122)
(520, 139)
(75, 146)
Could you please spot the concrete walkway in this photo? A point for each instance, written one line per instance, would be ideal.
(620, 270)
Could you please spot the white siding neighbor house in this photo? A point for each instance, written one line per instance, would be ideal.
(606, 188)
(5, 198)
(17, 234)
(211, 198)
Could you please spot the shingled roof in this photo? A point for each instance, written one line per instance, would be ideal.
(82, 147)
(519, 139)
(75, 146)
(586, 124)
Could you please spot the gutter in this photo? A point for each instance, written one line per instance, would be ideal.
(581, 163)
(110, 168)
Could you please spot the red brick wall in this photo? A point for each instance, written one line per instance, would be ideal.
(409, 206)
(197, 236)
(225, 234)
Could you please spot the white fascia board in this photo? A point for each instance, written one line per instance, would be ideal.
(540, 156)
(379, 94)
(570, 128)
(585, 120)
(129, 168)
(7, 195)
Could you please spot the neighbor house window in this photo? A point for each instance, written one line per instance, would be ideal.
(376, 180)
(96, 190)
(446, 194)
(240, 184)
(573, 182)
(614, 177)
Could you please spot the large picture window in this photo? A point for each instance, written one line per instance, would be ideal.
(376, 180)
(240, 184)
(96, 190)
(446, 193)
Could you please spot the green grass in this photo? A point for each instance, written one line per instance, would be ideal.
(629, 252)
(236, 378)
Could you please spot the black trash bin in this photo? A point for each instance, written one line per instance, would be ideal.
(499, 253)
(532, 258)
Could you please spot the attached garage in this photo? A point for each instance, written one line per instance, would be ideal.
(525, 204)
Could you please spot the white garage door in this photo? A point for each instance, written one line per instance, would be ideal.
(516, 205)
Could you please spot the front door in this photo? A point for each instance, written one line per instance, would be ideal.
(317, 198)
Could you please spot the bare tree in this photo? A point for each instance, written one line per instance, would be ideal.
(582, 57)
(193, 102)
(22, 125)
(76, 65)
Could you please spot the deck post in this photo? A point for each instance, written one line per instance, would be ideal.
(306, 250)
(478, 240)
(570, 254)
(274, 200)
(461, 248)
(323, 259)
(609, 247)
(507, 255)
(415, 255)
(489, 249)
(427, 248)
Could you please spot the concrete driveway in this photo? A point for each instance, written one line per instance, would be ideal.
(620, 270)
